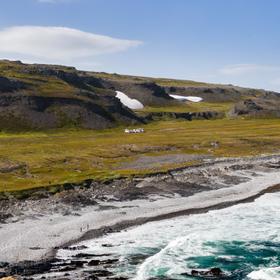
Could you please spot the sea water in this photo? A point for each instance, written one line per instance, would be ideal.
(243, 240)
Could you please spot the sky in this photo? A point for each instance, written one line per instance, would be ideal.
(221, 41)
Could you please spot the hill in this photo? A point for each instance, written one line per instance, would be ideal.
(35, 96)
(51, 108)
(44, 96)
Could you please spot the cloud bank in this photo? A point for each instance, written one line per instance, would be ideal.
(57, 44)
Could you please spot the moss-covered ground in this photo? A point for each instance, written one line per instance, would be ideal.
(36, 159)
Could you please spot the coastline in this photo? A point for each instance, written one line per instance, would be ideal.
(92, 234)
(38, 238)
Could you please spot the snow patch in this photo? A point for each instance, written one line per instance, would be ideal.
(189, 98)
(133, 104)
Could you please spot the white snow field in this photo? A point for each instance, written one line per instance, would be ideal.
(133, 104)
(189, 98)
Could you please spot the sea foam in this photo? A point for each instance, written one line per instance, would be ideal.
(242, 240)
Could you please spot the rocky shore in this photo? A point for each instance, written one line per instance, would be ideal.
(33, 229)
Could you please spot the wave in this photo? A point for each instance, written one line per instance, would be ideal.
(227, 238)
(242, 240)
(272, 273)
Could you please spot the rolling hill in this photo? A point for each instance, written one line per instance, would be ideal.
(35, 96)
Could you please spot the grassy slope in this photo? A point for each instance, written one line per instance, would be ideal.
(36, 159)
(159, 81)
(70, 156)
(191, 107)
(37, 84)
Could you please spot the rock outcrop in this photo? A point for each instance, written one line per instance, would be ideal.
(259, 107)
(41, 96)
(35, 96)
(148, 93)
(186, 116)
(9, 85)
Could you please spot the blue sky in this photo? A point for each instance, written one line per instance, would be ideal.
(224, 41)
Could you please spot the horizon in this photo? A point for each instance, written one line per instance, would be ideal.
(206, 41)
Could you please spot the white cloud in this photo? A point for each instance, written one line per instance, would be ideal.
(241, 69)
(57, 44)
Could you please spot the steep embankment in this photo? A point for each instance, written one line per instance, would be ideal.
(41, 96)
(50, 96)
(260, 107)
(215, 98)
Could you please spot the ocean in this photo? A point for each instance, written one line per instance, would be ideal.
(242, 240)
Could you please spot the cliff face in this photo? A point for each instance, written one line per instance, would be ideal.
(34, 96)
(157, 91)
(38, 97)
(7, 85)
(38, 112)
(148, 93)
(259, 107)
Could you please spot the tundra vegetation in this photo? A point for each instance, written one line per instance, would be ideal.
(51, 157)
(34, 155)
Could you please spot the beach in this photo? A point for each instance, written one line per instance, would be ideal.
(38, 232)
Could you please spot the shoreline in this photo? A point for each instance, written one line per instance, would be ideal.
(39, 238)
(92, 234)
(126, 224)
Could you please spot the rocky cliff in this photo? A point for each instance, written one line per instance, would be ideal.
(41, 96)
(35, 96)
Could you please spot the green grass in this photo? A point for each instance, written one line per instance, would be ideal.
(60, 156)
(191, 107)
(37, 84)
(160, 81)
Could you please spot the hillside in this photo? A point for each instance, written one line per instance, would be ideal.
(35, 98)
(50, 96)
(211, 93)
(42, 96)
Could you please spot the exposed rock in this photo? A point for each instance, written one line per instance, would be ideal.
(67, 74)
(10, 85)
(73, 98)
(28, 268)
(94, 263)
(4, 216)
(89, 256)
(259, 107)
(102, 273)
(187, 116)
(20, 111)
(213, 273)
(102, 262)
(75, 198)
(92, 277)
(75, 248)
(219, 93)
(148, 93)
(62, 96)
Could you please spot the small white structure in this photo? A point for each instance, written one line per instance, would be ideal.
(133, 104)
(135, 130)
(188, 98)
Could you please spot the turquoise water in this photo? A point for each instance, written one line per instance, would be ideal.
(243, 240)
